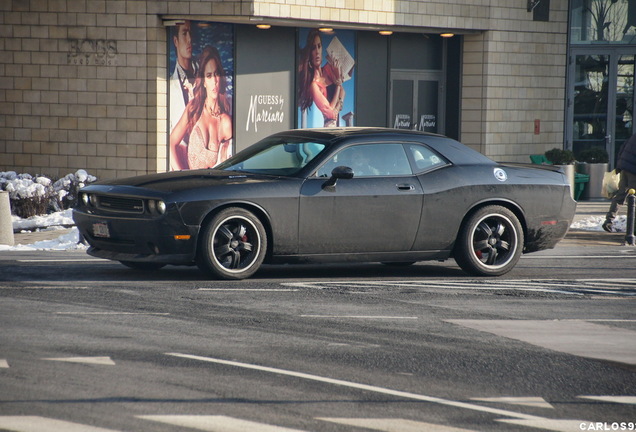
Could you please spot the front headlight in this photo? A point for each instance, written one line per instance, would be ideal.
(92, 199)
(161, 207)
(152, 206)
(84, 198)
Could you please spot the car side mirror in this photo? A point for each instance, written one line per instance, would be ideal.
(339, 172)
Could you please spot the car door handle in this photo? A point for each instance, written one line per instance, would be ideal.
(405, 187)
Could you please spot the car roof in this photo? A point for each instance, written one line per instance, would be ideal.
(328, 134)
(456, 152)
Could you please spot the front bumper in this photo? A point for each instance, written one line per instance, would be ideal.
(164, 239)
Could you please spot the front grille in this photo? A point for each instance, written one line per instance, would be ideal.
(120, 204)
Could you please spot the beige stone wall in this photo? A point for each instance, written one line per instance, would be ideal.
(83, 82)
(514, 74)
(77, 88)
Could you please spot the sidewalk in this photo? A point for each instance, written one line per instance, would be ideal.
(584, 210)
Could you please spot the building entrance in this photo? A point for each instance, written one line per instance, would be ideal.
(417, 100)
(600, 99)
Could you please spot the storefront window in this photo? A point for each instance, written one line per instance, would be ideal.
(603, 21)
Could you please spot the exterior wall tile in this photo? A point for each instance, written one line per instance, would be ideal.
(59, 113)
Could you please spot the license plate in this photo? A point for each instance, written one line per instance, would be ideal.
(100, 229)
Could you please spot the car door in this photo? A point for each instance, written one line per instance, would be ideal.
(378, 210)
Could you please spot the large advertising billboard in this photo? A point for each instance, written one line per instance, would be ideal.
(201, 73)
(325, 78)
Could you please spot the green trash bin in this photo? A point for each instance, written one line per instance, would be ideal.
(580, 180)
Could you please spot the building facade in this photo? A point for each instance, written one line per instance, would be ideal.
(87, 83)
(600, 88)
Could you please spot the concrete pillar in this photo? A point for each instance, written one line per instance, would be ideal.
(6, 226)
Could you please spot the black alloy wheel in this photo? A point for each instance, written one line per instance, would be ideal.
(490, 242)
(233, 244)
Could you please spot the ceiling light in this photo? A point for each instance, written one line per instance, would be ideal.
(447, 35)
(263, 26)
(326, 29)
(385, 32)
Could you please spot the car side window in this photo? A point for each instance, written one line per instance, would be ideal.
(370, 160)
(425, 158)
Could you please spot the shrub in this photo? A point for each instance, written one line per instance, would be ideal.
(594, 155)
(36, 195)
(560, 156)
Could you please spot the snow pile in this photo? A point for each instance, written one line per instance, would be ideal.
(594, 223)
(58, 221)
(33, 195)
(70, 240)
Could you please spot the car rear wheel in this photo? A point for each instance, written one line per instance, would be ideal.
(490, 242)
(232, 244)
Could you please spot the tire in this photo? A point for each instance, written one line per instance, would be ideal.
(490, 242)
(232, 245)
(145, 266)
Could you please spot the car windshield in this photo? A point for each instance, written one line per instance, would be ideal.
(274, 157)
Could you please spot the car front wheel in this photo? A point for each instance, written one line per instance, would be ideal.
(490, 242)
(233, 244)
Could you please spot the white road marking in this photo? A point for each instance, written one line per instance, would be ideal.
(631, 256)
(631, 400)
(4, 363)
(249, 289)
(106, 361)
(365, 387)
(537, 402)
(548, 424)
(113, 313)
(392, 425)
(39, 287)
(39, 424)
(381, 317)
(578, 338)
(65, 260)
(215, 423)
(576, 287)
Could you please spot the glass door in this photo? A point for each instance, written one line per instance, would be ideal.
(417, 101)
(600, 101)
(624, 120)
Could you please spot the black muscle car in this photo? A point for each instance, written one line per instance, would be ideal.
(331, 195)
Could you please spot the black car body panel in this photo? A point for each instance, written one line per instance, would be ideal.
(412, 208)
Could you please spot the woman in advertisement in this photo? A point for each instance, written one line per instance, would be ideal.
(319, 85)
(207, 118)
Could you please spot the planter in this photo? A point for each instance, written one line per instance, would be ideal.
(569, 173)
(594, 187)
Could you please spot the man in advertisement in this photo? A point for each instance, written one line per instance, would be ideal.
(181, 87)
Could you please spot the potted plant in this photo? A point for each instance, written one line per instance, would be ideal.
(593, 162)
(560, 156)
(565, 159)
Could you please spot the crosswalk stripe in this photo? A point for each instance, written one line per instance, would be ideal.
(576, 287)
(580, 338)
(631, 400)
(39, 424)
(4, 363)
(215, 423)
(532, 401)
(547, 424)
(107, 361)
(392, 425)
